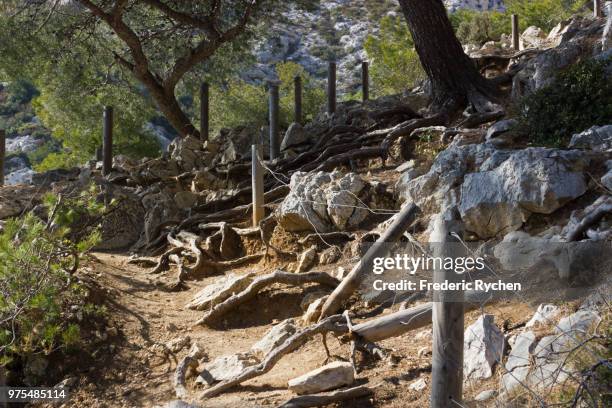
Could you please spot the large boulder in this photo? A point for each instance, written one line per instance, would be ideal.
(532, 37)
(501, 196)
(483, 347)
(323, 202)
(328, 377)
(187, 152)
(295, 135)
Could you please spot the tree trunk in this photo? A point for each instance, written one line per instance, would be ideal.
(454, 77)
(165, 99)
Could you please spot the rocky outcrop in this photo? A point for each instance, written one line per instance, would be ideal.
(323, 202)
(510, 186)
(597, 138)
(483, 348)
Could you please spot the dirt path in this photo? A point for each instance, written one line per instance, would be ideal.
(135, 367)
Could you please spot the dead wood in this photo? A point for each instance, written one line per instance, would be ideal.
(479, 118)
(187, 364)
(379, 249)
(164, 260)
(349, 157)
(326, 398)
(261, 282)
(294, 342)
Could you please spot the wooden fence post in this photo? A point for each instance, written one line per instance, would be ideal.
(447, 323)
(365, 81)
(597, 9)
(2, 154)
(297, 95)
(515, 32)
(273, 110)
(257, 183)
(107, 141)
(204, 111)
(331, 87)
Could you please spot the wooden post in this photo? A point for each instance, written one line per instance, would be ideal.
(447, 322)
(2, 154)
(273, 108)
(204, 109)
(380, 248)
(331, 88)
(365, 81)
(297, 94)
(107, 141)
(257, 183)
(515, 32)
(597, 9)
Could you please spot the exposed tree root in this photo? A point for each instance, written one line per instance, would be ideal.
(593, 217)
(261, 282)
(326, 398)
(189, 362)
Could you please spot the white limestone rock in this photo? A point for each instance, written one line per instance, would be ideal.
(328, 377)
(483, 348)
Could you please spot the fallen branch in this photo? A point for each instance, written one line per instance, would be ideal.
(326, 398)
(261, 282)
(391, 325)
(379, 249)
(292, 343)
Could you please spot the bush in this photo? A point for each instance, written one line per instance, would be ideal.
(395, 65)
(242, 103)
(475, 27)
(580, 97)
(39, 293)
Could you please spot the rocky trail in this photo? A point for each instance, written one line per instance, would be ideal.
(149, 331)
(205, 309)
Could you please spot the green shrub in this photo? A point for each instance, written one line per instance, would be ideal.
(475, 27)
(578, 98)
(395, 65)
(246, 104)
(39, 293)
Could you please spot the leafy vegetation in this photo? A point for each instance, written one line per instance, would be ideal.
(580, 97)
(39, 296)
(242, 103)
(395, 65)
(474, 27)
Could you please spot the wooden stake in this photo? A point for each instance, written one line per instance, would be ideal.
(379, 249)
(365, 81)
(107, 141)
(273, 111)
(298, 99)
(597, 9)
(515, 32)
(2, 154)
(447, 322)
(204, 111)
(331, 88)
(257, 184)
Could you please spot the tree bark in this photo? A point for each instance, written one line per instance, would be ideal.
(454, 77)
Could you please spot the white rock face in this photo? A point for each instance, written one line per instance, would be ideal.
(220, 290)
(544, 315)
(328, 377)
(307, 259)
(482, 5)
(226, 367)
(275, 337)
(323, 202)
(517, 365)
(418, 385)
(597, 138)
(483, 347)
(500, 197)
